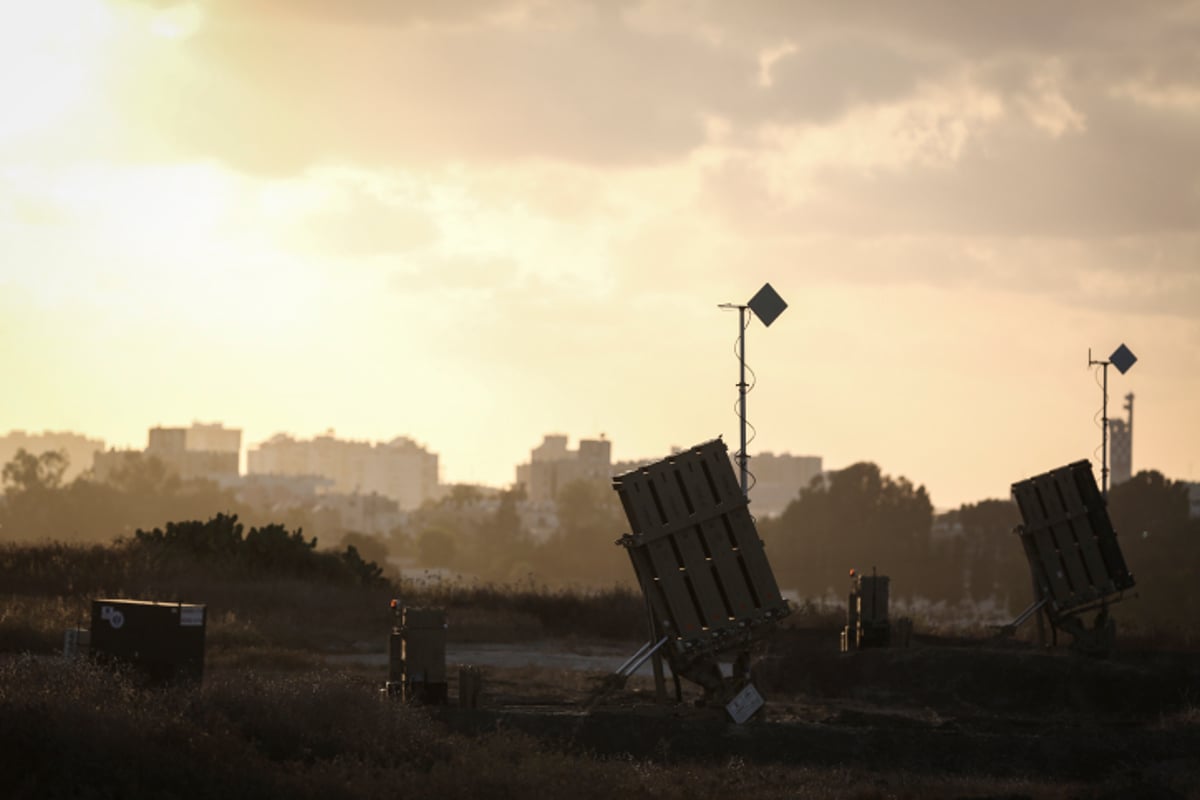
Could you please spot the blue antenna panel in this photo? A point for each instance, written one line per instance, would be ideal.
(1122, 358)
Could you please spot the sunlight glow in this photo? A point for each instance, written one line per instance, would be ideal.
(50, 53)
(178, 22)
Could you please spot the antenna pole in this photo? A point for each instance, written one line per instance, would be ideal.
(742, 455)
(1103, 427)
(1104, 440)
(767, 305)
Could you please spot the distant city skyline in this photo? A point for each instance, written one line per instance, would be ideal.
(520, 462)
(475, 223)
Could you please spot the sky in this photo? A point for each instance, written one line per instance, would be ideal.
(478, 222)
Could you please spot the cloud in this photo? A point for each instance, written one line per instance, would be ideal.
(1084, 163)
(642, 146)
(379, 12)
(349, 215)
(821, 80)
(449, 281)
(275, 99)
(276, 87)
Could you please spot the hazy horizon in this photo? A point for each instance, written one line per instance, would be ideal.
(477, 223)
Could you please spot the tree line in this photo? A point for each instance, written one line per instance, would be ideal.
(148, 506)
(860, 518)
(857, 517)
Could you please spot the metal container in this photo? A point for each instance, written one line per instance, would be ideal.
(162, 642)
(422, 635)
(873, 600)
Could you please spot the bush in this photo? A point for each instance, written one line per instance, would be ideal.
(269, 550)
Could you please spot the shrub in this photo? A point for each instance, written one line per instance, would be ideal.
(267, 550)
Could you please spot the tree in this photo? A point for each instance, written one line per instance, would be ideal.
(29, 473)
(462, 495)
(1149, 502)
(267, 550)
(139, 474)
(503, 548)
(371, 548)
(855, 517)
(994, 557)
(32, 484)
(1161, 546)
(590, 519)
(436, 548)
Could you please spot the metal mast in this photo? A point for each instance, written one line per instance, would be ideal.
(767, 305)
(1122, 358)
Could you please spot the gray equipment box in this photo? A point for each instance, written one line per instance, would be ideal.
(164, 642)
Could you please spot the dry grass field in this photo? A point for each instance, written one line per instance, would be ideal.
(283, 713)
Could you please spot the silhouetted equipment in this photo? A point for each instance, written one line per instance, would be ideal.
(709, 588)
(1073, 555)
(417, 655)
(867, 620)
(1122, 358)
(866, 612)
(767, 305)
(163, 642)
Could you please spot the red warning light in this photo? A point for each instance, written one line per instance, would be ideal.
(851, 575)
(394, 603)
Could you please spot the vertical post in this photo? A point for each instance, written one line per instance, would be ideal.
(1104, 440)
(1103, 426)
(1041, 622)
(656, 661)
(742, 456)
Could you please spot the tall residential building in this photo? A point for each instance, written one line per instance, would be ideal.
(200, 451)
(400, 469)
(552, 466)
(79, 449)
(778, 480)
(1120, 446)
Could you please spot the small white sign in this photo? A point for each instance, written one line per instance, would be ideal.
(191, 617)
(742, 707)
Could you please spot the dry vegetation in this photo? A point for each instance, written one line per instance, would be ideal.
(71, 730)
(273, 720)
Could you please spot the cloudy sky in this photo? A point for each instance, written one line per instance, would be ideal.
(475, 222)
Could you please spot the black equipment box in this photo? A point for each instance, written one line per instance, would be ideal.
(162, 641)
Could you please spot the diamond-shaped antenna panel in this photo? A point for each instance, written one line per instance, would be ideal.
(767, 305)
(1122, 358)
